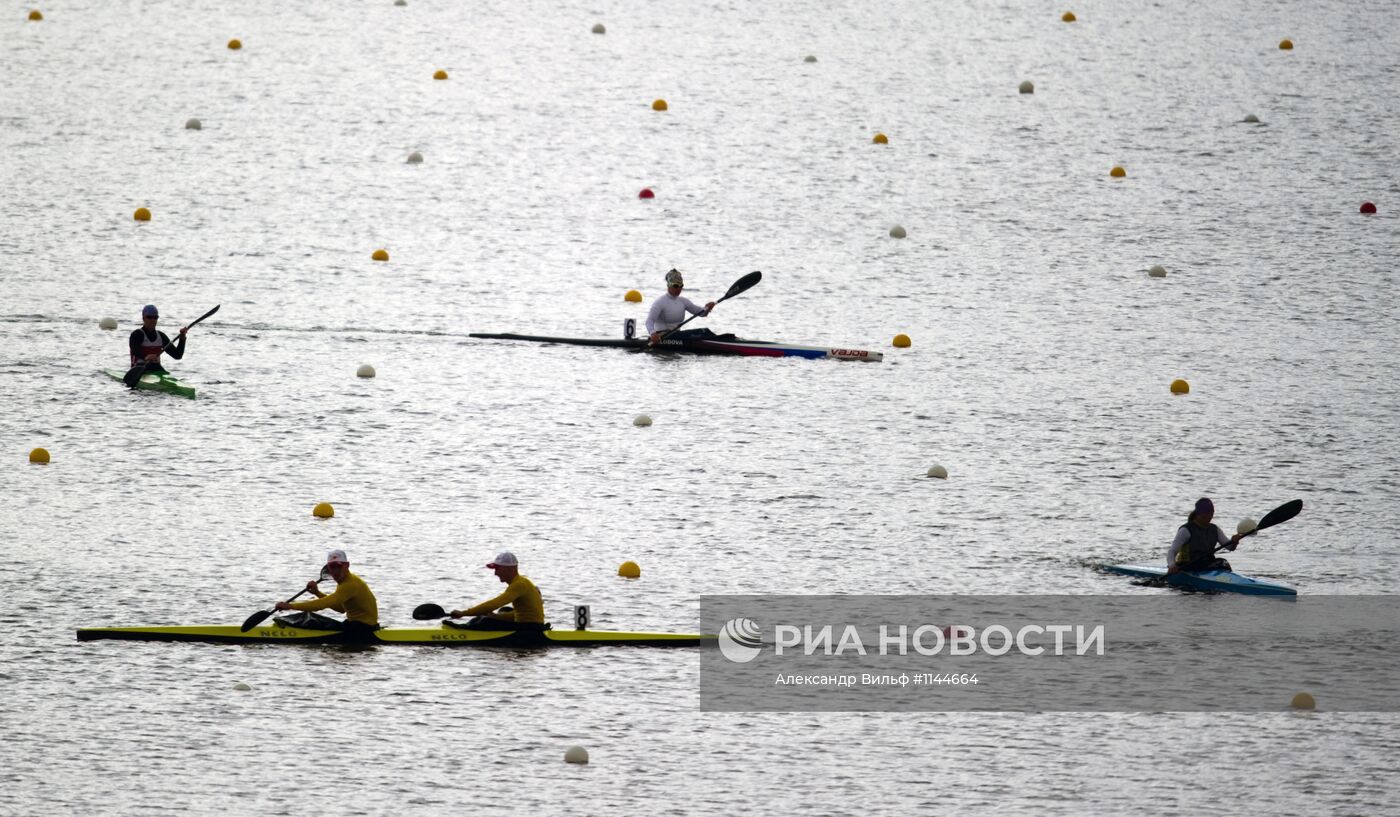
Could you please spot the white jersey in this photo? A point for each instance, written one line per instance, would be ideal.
(668, 312)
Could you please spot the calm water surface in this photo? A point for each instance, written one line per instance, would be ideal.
(1038, 377)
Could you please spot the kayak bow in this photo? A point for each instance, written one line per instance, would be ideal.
(442, 636)
(1218, 581)
(721, 345)
(151, 381)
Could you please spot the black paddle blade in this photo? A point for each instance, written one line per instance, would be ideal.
(254, 620)
(426, 612)
(202, 317)
(742, 284)
(133, 375)
(1282, 513)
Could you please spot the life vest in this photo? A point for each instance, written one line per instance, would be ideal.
(148, 346)
(1200, 547)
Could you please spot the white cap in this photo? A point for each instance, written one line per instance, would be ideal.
(505, 559)
(337, 557)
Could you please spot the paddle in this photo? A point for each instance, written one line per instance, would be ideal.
(426, 612)
(260, 616)
(133, 375)
(741, 285)
(1282, 513)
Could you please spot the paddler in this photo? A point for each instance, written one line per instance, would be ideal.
(668, 311)
(351, 597)
(148, 342)
(519, 607)
(1193, 549)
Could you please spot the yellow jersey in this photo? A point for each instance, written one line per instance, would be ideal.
(520, 592)
(351, 597)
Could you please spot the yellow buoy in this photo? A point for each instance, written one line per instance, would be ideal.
(659, 105)
(242, 687)
(1117, 172)
(632, 297)
(599, 28)
(810, 58)
(365, 370)
(881, 139)
(235, 44)
(35, 15)
(898, 232)
(193, 124)
(1068, 17)
(1026, 87)
(641, 421)
(141, 214)
(901, 341)
(937, 471)
(629, 570)
(1285, 45)
(1303, 701)
(1180, 386)
(439, 74)
(380, 255)
(1157, 271)
(323, 510)
(39, 456)
(1251, 119)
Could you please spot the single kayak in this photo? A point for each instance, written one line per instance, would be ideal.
(1219, 581)
(718, 345)
(156, 382)
(274, 633)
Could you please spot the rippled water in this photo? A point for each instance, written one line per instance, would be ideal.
(1038, 376)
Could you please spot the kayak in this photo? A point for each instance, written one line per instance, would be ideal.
(1219, 581)
(718, 345)
(442, 636)
(149, 381)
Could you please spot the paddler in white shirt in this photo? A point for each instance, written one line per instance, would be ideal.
(668, 311)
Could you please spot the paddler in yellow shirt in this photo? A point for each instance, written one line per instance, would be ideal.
(518, 608)
(351, 597)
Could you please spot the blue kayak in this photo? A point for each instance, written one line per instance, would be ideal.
(1218, 581)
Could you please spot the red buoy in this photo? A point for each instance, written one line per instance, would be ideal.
(647, 194)
(1368, 208)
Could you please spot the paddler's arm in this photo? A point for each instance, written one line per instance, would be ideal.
(335, 601)
(134, 342)
(178, 350)
(489, 607)
(1174, 552)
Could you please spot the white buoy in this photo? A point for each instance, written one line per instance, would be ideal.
(1027, 87)
(599, 28)
(193, 124)
(365, 370)
(1246, 525)
(641, 421)
(400, 2)
(108, 323)
(576, 754)
(1251, 118)
(897, 232)
(415, 158)
(809, 58)
(1157, 271)
(242, 687)
(937, 471)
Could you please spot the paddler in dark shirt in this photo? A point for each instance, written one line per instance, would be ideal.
(1193, 549)
(527, 612)
(148, 342)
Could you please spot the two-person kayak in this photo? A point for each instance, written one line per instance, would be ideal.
(444, 636)
(150, 381)
(714, 345)
(1217, 581)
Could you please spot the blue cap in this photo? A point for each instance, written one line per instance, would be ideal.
(150, 311)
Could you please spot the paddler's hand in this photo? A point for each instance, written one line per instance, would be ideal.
(311, 587)
(1234, 542)
(457, 614)
(281, 605)
(709, 307)
(183, 330)
(655, 338)
(1173, 570)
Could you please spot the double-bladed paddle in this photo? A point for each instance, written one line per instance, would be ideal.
(739, 286)
(1282, 513)
(260, 616)
(134, 374)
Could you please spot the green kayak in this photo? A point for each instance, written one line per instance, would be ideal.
(157, 382)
